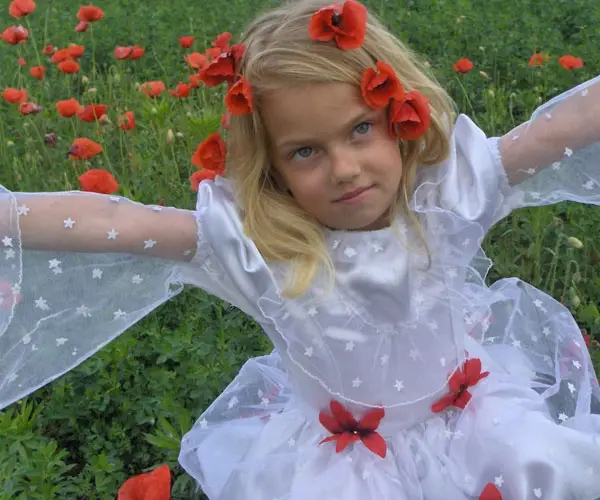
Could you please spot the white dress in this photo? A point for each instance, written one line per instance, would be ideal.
(389, 335)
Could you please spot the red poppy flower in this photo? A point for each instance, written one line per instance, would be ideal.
(21, 8)
(183, 90)
(409, 119)
(29, 108)
(37, 72)
(68, 107)
(7, 295)
(84, 149)
(155, 485)
(48, 50)
(570, 62)
(211, 154)
(213, 52)
(97, 180)
(222, 41)
(536, 59)
(14, 96)
(490, 492)
(122, 52)
(238, 99)
(21, 62)
(81, 26)
(459, 383)
(347, 26)
(196, 60)
(136, 52)
(201, 175)
(92, 112)
(378, 88)
(153, 89)
(14, 35)
(186, 41)
(195, 80)
(68, 66)
(127, 121)
(463, 65)
(60, 56)
(586, 337)
(90, 14)
(75, 51)
(219, 70)
(346, 429)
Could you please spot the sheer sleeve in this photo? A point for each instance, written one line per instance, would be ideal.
(77, 269)
(555, 156)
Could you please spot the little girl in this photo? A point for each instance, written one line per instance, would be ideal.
(349, 225)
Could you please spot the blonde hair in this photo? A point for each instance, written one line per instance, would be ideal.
(279, 53)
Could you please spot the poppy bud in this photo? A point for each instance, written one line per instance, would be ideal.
(85, 80)
(10, 144)
(576, 277)
(137, 85)
(575, 301)
(104, 120)
(154, 111)
(179, 135)
(50, 139)
(484, 75)
(170, 136)
(116, 77)
(574, 242)
(491, 93)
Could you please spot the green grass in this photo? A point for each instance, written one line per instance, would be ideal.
(125, 409)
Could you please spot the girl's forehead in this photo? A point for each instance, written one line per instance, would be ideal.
(311, 110)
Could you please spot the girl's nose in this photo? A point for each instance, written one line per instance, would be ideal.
(344, 165)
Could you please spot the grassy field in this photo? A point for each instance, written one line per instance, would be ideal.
(126, 409)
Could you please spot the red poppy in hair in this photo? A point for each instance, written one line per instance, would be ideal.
(347, 25)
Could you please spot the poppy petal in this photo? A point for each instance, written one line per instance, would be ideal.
(443, 403)
(490, 492)
(375, 443)
(462, 399)
(343, 416)
(370, 421)
(330, 423)
(344, 439)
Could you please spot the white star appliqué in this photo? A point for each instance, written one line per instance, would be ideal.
(309, 352)
(203, 424)
(571, 388)
(563, 417)
(9, 254)
(41, 304)
(356, 382)
(349, 346)
(537, 492)
(568, 152)
(60, 341)
(232, 402)
(22, 210)
(119, 314)
(149, 244)
(589, 185)
(112, 234)
(499, 481)
(84, 311)
(136, 279)
(556, 165)
(97, 274)
(399, 385)
(576, 364)
(54, 263)
(384, 359)
(69, 223)
(7, 242)
(349, 252)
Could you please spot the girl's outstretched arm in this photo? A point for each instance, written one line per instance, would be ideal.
(90, 222)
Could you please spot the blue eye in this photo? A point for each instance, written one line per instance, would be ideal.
(302, 153)
(363, 128)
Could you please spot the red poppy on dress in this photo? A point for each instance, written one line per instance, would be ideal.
(346, 429)
(29, 108)
(201, 175)
(68, 107)
(182, 90)
(196, 60)
(155, 485)
(81, 26)
(222, 41)
(14, 35)
(536, 59)
(153, 89)
(90, 13)
(122, 52)
(37, 72)
(490, 492)
(14, 96)
(379, 87)
(238, 100)
(136, 52)
(411, 118)
(83, 148)
(48, 50)
(211, 154)
(21, 62)
(21, 8)
(459, 383)
(68, 66)
(92, 112)
(463, 65)
(127, 121)
(347, 25)
(570, 62)
(186, 41)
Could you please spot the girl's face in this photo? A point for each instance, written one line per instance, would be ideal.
(334, 154)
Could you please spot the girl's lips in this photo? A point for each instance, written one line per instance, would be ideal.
(353, 194)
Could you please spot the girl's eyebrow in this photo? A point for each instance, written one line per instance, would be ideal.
(289, 142)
